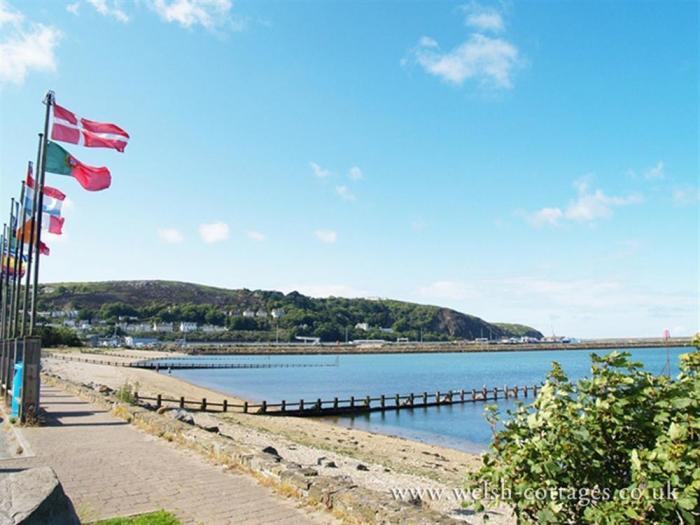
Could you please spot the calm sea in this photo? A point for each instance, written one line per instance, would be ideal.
(458, 426)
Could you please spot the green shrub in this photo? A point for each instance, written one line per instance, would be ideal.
(126, 393)
(619, 447)
(152, 518)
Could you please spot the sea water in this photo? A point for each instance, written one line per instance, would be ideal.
(460, 426)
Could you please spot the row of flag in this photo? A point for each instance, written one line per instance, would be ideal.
(40, 208)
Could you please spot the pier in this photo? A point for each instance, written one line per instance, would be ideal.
(350, 406)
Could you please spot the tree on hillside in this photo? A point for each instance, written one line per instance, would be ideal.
(622, 446)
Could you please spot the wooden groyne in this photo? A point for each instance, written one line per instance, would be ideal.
(350, 406)
(170, 363)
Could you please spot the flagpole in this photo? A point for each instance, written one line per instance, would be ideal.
(18, 263)
(33, 246)
(7, 300)
(11, 230)
(5, 278)
(39, 187)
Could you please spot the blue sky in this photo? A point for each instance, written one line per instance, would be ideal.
(531, 162)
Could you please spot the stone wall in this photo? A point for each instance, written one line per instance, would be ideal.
(199, 432)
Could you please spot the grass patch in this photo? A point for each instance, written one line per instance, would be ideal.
(160, 517)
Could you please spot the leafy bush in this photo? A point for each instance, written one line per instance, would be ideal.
(619, 447)
(126, 393)
(58, 336)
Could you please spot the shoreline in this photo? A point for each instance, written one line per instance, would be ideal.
(213, 348)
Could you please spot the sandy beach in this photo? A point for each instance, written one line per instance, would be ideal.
(380, 462)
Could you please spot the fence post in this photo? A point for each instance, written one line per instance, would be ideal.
(352, 401)
(263, 407)
(182, 401)
(204, 404)
(412, 399)
(505, 390)
(245, 407)
(484, 391)
(473, 394)
(335, 402)
(525, 390)
(425, 398)
(397, 399)
(136, 398)
(318, 404)
(225, 409)
(159, 399)
(367, 401)
(301, 405)
(515, 391)
(461, 395)
(283, 408)
(437, 397)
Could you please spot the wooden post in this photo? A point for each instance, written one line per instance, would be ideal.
(397, 400)
(335, 402)
(484, 391)
(382, 401)
(159, 398)
(525, 390)
(437, 397)
(473, 394)
(318, 404)
(425, 398)
(225, 409)
(461, 395)
(534, 390)
(204, 404)
(367, 401)
(136, 398)
(263, 407)
(301, 405)
(284, 406)
(245, 407)
(495, 393)
(515, 391)
(505, 390)
(412, 399)
(352, 401)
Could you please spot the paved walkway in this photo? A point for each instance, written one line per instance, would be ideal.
(109, 468)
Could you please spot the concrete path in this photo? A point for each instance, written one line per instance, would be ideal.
(109, 468)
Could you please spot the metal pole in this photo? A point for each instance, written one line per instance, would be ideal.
(5, 279)
(9, 292)
(18, 265)
(39, 187)
(32, 245)
(15, 269)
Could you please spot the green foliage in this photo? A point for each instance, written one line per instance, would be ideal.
(160, 517)
(126, 393)
(58, 336)
(328, 318)
(619, 447)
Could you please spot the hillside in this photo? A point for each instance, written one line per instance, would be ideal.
(331, 318)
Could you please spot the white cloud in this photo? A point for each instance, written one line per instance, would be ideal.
(25, 46)
(344, 193)
(214, 232)
(320, 172)
(257, 236)
(452, 290)
(73, 8)
(105, 9)
(483, 18)
(326, 236)
(189, 13)
(355, 173)
(170, 235)
(426, 41)
(686, 195)
(656, 172)
(490, 61)
(589, 206)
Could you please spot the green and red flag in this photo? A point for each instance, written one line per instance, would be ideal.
(61, 162)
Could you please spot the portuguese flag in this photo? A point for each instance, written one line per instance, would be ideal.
(61, 162)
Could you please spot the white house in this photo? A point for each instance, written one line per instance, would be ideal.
(212, 329)
(261, 314)
(362, 326)
(277, 313)
(248, 313)
(187, 326)
(163, 327)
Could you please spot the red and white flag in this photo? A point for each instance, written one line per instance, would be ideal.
(69, 127)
